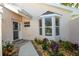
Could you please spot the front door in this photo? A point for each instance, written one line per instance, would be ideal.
(15, 30)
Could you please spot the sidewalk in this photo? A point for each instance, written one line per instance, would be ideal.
(28, 50)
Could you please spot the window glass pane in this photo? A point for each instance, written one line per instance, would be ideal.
(40, 31)
(40, 26)
(48, 31)
(48, 21)
(15, 34)
(40, 23)
(57, 30)
(15, 25)
(26, 24)
(57, 21)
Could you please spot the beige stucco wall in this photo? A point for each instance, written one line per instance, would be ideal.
(7, 24)
(36, 10)
(74, 30)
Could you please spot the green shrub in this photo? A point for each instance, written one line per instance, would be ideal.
(75, 46)
(45, 40)
(45, 46)
(7, 47)
(35, 40)
(52, 42)
(49, 44)
(38, 41)
(60, 41)
(67, 45)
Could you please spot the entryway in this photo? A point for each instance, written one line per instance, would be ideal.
(15, 30)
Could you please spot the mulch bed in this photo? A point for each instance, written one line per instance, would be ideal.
(41, 52)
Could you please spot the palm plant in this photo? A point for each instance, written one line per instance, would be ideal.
(76, 5)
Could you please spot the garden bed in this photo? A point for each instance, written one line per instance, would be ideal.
(8, 49)
(47, 47)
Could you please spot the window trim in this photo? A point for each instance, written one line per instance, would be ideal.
(57, 26)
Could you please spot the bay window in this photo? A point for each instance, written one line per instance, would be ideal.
(57, 26)
(40, 26)
(48, 26)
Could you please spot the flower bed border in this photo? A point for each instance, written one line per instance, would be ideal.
(39, 53)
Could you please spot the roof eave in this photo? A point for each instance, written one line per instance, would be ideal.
(61, 7)
(17, 11)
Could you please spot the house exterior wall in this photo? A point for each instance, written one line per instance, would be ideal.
(7, 24)
(74, 30)
(64, 27)
(36, 10)
(26, 31)
(29, 33)
(32, 32)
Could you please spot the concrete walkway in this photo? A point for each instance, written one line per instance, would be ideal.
(28, 50)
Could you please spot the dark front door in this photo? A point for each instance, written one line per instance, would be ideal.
(15, 30)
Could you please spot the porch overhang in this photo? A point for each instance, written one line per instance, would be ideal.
(75, 16)
(16, 10)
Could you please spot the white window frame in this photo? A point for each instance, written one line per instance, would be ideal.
(40, 27)
(53, 24)
(57, 26)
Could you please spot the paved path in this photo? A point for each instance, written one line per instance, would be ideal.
(28, 50)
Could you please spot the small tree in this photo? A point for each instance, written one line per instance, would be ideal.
(76, 5)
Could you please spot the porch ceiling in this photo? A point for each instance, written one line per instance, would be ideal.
(36, 10)
(16, 10)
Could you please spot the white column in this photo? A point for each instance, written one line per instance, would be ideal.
(43, 27)
(1, 30)
(20, 31)
(53, 27)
